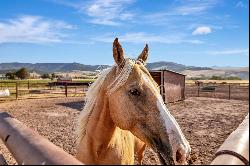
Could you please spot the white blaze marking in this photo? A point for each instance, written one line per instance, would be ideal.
(175, 134)
(176, 137)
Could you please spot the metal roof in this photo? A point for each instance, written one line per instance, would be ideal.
(167, 70)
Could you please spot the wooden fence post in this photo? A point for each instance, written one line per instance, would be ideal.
(28, 84)
(75, 90)
(66, 89)
(229, 91)
(198, 90)
(16, 90)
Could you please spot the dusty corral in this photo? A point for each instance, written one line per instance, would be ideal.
(206, 122)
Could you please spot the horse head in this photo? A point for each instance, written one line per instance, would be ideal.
(136, 105)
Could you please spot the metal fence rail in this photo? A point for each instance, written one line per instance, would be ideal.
(235, 149)
(223, 91)
(29, 148)
(19, 90)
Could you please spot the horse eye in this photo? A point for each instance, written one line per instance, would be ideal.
(135, 92)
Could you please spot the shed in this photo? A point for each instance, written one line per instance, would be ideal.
(172, 84)
(64, 79)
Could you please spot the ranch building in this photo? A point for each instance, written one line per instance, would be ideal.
(64, 80)
(172, 84)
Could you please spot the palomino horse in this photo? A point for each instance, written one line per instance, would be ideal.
(123, 113)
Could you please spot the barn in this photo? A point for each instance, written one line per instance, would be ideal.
(172, 84)
(64, 79)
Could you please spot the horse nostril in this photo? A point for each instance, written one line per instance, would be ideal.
(178, 156)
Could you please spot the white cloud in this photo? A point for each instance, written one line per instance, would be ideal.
(180, 13)
(141, 37)
(32, 29)
(188, 10)
(202, 30)
(193, 7)
(107, 12)
(212, 26)
(116, 12)
(230, 52)
(104, 22)
(67, 3)
(240, 4)
(186, 7)
(102, 12)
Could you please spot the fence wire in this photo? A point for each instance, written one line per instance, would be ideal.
(223, 91)
(23, 90)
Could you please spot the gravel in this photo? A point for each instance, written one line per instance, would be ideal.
(205, 122)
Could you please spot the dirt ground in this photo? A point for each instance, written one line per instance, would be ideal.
(206, 123)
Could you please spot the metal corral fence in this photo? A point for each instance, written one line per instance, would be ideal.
(27, 89)
(216, 90)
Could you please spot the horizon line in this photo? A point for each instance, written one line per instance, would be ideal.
(213, 66)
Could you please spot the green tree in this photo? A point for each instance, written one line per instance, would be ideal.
(10, 75)
(216, 78)
(53, 76)
(233, 78)
(45, 76)
(22, 73)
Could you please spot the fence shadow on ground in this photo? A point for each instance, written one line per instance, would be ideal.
(77, 105)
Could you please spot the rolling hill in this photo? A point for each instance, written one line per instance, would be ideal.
(190, 71)
(49, 67)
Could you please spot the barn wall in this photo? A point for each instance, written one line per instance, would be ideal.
(156, 76)
(174, 85)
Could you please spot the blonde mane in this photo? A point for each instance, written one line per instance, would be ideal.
(94, 90)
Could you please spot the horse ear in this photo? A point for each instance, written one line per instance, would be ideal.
(118, 52)
(144, 54)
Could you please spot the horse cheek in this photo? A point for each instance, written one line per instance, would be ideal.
(121, 117)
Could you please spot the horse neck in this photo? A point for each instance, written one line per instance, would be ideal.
(100, 123)
(99, 131)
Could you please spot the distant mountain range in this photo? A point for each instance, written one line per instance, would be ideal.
(190, 71)
(173, 66)
(49, 67)
(64, 67)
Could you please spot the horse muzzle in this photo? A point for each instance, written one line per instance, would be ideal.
(167, 155)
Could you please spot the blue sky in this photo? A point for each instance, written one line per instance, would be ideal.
(190, 32)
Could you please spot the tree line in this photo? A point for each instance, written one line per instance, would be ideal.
(214, 77)
(23, 73)
(19, 74)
